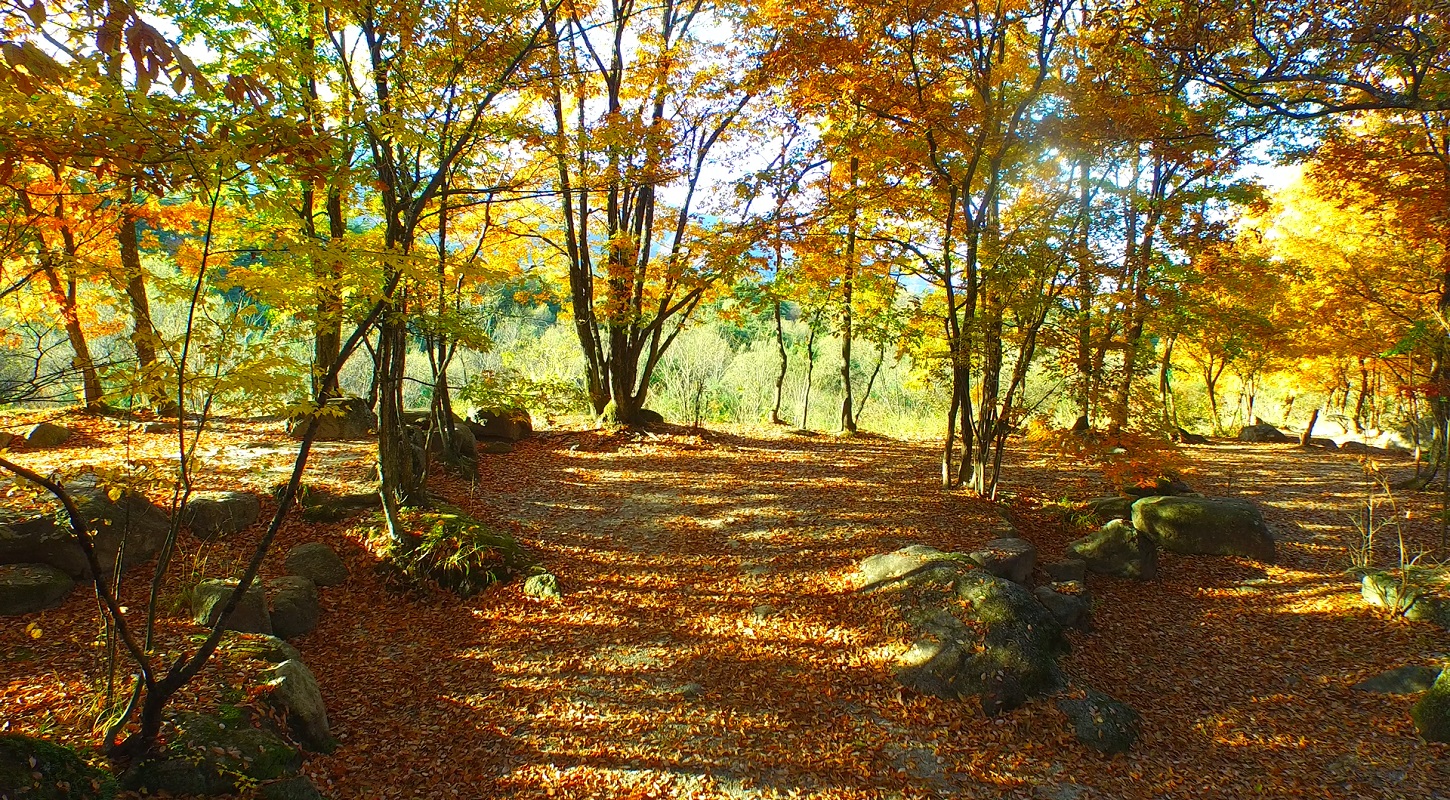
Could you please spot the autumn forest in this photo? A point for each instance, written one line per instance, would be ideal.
(1037, 399)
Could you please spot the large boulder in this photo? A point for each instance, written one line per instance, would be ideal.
(27, 588)
(46, 434)
(502, 424)
(250, 616)
(317, 562)
(1011, 558)
(207, 755)
(1100, 722)
(340, 418)
(1106, 509)
(1263, 432)
(1431, 713)
(1118, 549)
(217, 515)
(292, 691)
(127, 518)
(1206, 526)
(1411, 679)
(35, 769)
(977, 635)
(293, 608)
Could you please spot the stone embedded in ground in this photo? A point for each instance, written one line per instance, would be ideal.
(293, 606)
(1206, 526)
(1105, 509)
(1068, 601)
(1011, 558)
(293, 691)
(1072, 569)
(250, 615)
(258, 645)
(1162, 487)
(692, 691)
(317, 562)
(1411, 679)
(28, 588)
(130, 520)
(1431, 714)
(1413, 598)
(341, 418)
(1262, 432)
(976, 635)
(206, 755)
(495, 447)
(1100, 722)
(46, 434)
(217, 515)
(543, 586)
(295, 788)
(1118, 549)
(502, 424)
(37, 769)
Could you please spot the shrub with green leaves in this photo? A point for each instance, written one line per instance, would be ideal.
(454, 551)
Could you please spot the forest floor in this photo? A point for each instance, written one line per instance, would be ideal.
(709, 643)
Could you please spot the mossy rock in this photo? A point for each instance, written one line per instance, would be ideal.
(454, 551)
(1431, 714)
(211, 755)
(35, 769)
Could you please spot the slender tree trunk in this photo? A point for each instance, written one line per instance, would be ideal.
(871, 382)
(328, 334)
(810, 370)
(1165, 386)
(848, 421)
(1363, 394)
(779, 375)
(64, 296)
(143, 333)
(1309, 429)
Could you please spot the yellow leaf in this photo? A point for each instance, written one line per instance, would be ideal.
(33, 631)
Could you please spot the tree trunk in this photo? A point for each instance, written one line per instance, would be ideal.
(810, 370)
(1165, 386)
(848, 421)
(328, 334)
(143, 333)
(780, 375)
(1309, 429)
(871, 382)
(1363, 394)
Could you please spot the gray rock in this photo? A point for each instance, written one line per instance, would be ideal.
(763, 612)
(1073, 569)
(1010, 558)
(250, 615)
(692, 691)
(1411, 679)
(1106, 509)
(317, 562)
(886, 568)
(1413, 600)
(293, 608)
(1118, 550)
(294, 692)
(205, 755)
(502, 424)
(28, 588)
(977, 635)
(1262, 432)
(1068, 601)
(1100, 722)
(543, 586)
(129, 519)
(341, 418)
(495, 447)
(46, 434)
(1431, 713)
(1205, 526)
(298, 788)
(259, 645)
(217, 515)
(158, 427)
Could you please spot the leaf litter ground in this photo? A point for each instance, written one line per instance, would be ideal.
(709, 644)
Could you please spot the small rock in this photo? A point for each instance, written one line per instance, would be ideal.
(692, 691)
(46, 434)
(1106, 509)
(1262, 432)
(260, 645)
(298, 788)
(1068, 601)
(294, 607)
(1059, 791)
(1011, 558)
(1100, 722)
(317, 562)
(1073, 569)
(1411, 679)
(158, 427)
(216, 515)
(294, 692)
(250, 615)
(495, 447)
(543, 586)
(28, 588)
(762, 612)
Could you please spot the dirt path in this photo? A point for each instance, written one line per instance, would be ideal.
(708, 645)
